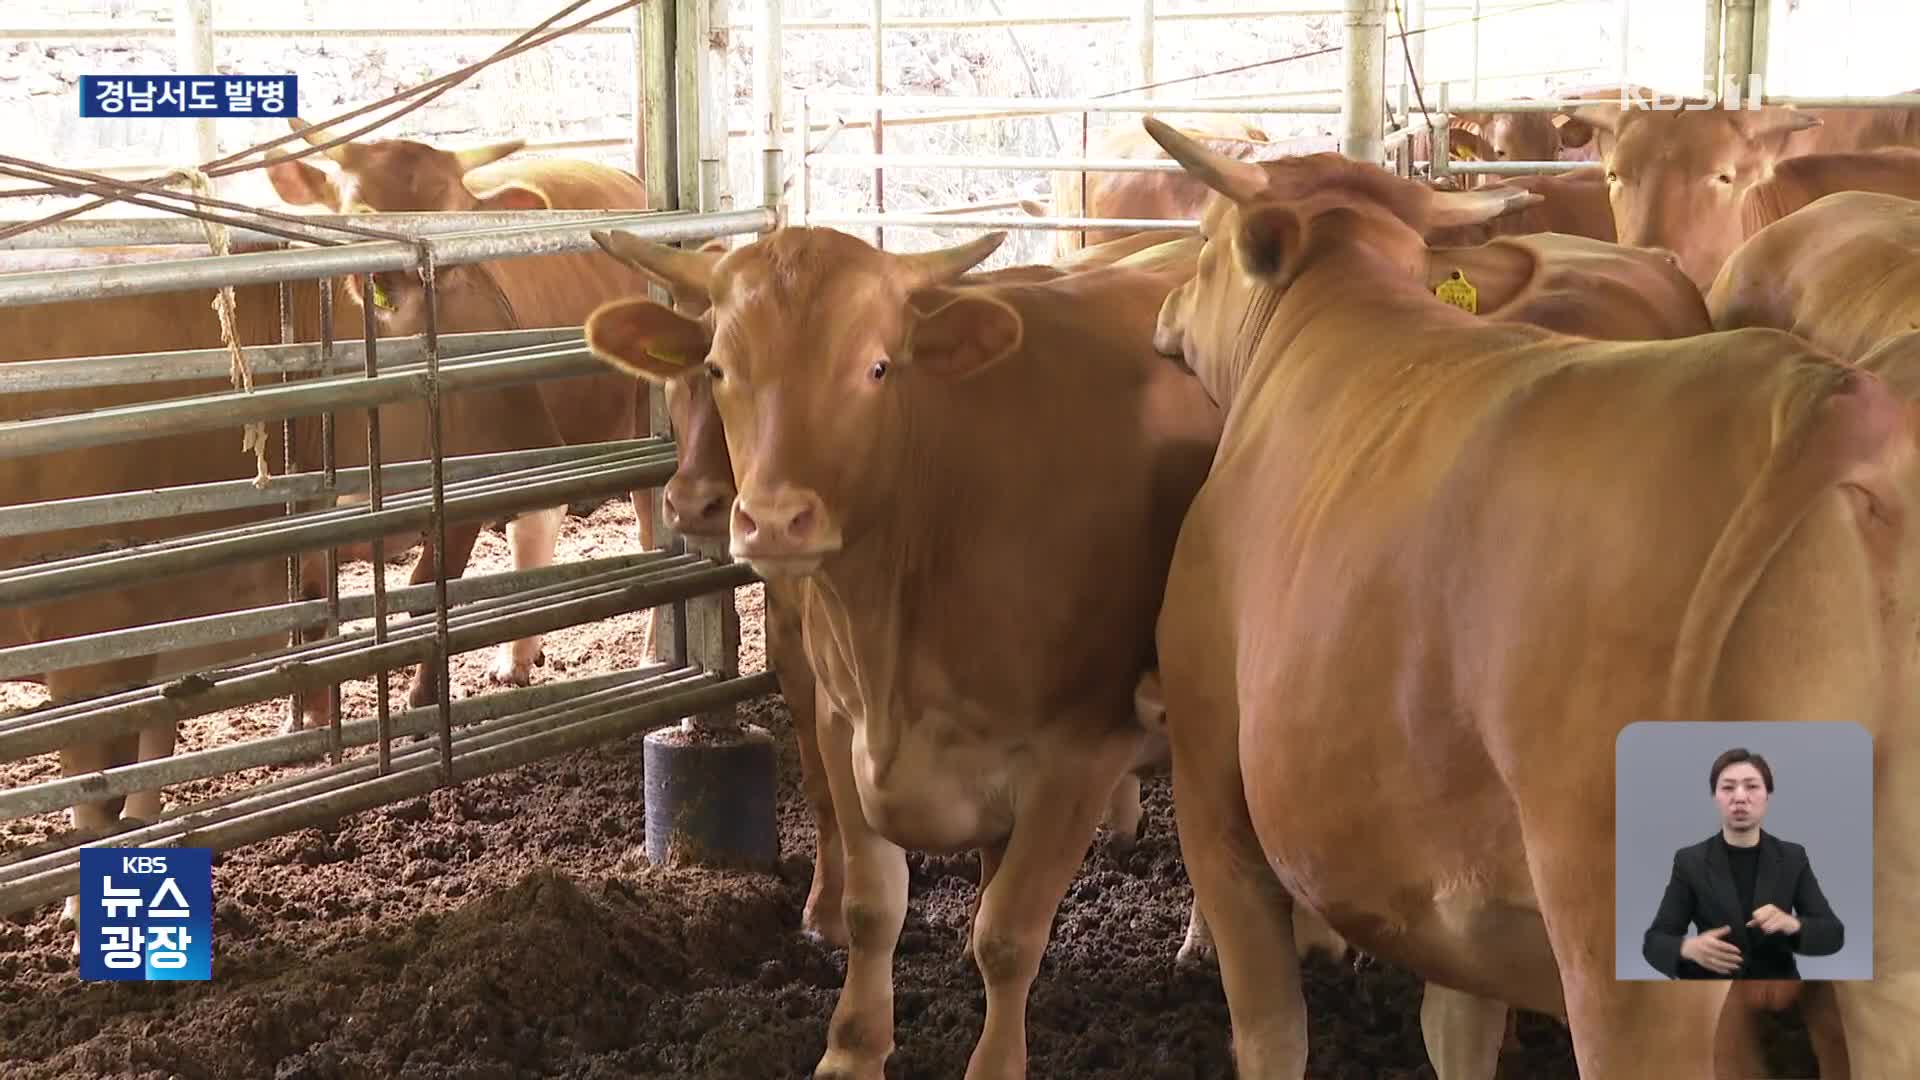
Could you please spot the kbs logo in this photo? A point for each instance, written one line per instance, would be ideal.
(146, 913)
(1640, 97)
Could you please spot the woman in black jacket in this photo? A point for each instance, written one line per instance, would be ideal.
(1752, 895)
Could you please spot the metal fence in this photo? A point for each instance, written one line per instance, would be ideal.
(424, 624)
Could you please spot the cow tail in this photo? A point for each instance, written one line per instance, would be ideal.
(1833, 428)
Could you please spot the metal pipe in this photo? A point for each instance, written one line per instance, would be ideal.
(1473, 85)
(664, 565)
(166, 230)
(84, 32)
(1624, 9)
(187, 365)
(152, 639)
(767, 82)
(1013, 106)
(193, 42)
(373, 256)
(119, 508)
(1010, 164)
(716, 188)
(1000, 221)
(1516, 168)
(299, 670)
(1710, 55)
(1736, 47)
(204, 412)
(296, 747)
(39, 583)
(1361, 114)
(480, 756)
(878, 119)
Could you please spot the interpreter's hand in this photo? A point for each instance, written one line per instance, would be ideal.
(1712, 951)
(1769, 919)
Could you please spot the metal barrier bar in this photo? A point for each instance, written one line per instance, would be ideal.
(289, 535)
(166, 229)
(187, 365)
(156, 638)
(347, 657)
(1000, 221)
(136, 32)
(1011, 164)
(1022, 106)
(120, 508)
(206, 412)
(479, 754)
(295, 748)
(364, 257)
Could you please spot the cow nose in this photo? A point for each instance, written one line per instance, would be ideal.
(697, 507)
(785, 523)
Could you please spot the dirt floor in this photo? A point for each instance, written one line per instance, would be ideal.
(513, 928)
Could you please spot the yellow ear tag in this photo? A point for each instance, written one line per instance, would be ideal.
(1459, 292)
(380, 297)
(1461, 152)
(666, 357)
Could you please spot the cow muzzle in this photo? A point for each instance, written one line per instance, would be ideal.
(785, 533)
(697, 506)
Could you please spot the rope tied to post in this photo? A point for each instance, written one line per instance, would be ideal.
(239, 371)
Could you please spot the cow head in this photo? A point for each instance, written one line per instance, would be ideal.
(1678, 178)
(1514, 136)
(817, 348)
(698, 499)
(1270, 222)
(403, 176)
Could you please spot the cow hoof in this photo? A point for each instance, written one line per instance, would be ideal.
(839, 1065)
(1196, 959)
(508, 671)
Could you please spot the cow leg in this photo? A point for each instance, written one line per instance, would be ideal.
(1463, 1033)
(1820, 1011)
(823, 919)
(1736, 1050)
(1049, 843)
(461, 536)
(94, 815)
(315, 703)
(1879, 1015)
(1197, 952)
(1246, 910)
(860, 1035)
(989, 866)
(1124, 813)
(532, 537)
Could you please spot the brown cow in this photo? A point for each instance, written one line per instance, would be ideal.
(1679, 177)
(1157, 195)
(394, 175)
(1357, 592)
(917, 454)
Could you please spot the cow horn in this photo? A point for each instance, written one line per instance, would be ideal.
(1459, 208)
(677, 268)
(1785, 122)
(924, 269)
(1237, 180)
(476, 156)
(343, 153)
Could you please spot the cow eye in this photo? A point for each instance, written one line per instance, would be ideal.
(879, 370)
(1724, 178)
(1612, 177)
(714, 372)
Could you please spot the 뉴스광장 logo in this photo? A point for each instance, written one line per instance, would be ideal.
(146, 914)
(120, 96)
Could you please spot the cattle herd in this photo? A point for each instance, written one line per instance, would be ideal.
(1374, 510)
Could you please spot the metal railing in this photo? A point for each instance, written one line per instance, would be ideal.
(423, 624)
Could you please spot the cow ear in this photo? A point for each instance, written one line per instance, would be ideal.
(965, 335)
(1271, 244)
(1578, 124)
(300, 184)
(645, 339)
(511, 196)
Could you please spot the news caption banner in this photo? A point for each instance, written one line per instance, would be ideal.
(146, 914)
(106, 96)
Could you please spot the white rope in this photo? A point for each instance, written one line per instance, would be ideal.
(240, 372)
